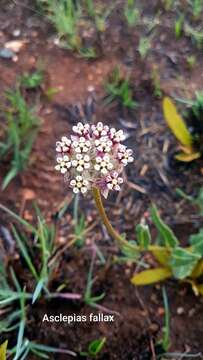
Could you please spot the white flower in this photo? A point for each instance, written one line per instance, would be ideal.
(64, 145)
(125, 155)
(103, 164)
(104, 144)
(79, 185)
(100, 129)
(81, 162)
(116, 136)
(81, 145)
(114, 181)
(81, 129)
(64, 164)
(93, 157)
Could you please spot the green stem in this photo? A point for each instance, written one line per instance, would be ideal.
(115, 235)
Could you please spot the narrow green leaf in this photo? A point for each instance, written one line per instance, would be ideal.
(166, 328)
(96, 346)
(11, 174)
(165, 231)
(25, 253)
(19, 345)
(143, 236)
(38, 290)
(18, 218)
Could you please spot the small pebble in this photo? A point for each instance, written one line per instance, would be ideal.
(90, 88)
(48, 111)
(15, 45)
(16, 32)
(6, 53)
(61, 240)
(180, 310)
(15, 58)
(56, 41)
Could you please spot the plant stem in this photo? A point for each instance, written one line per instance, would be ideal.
(115, 235)
(104, 217)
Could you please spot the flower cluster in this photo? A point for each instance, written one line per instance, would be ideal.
(93, 157)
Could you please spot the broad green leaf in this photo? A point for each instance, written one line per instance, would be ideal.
(3, 348)
(143, 236)
(148, 277)
(188, 157)
(162, 256)
(176, 123)
(183, 262)
(166, 233)
(196, 241)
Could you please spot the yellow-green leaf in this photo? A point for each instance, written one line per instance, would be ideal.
(162, 256)
(198, 270)
(176, 123)
(188, 157)
(151, 276)
(3, 348)
(200, 289)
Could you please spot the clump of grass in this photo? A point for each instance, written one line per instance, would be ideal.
(196, 34)
(98, 14)
(44, 235)
(197, 7)
(156, 82)
(20, 130)
(168, 4)
(32, 80)
(67, 16)
(144, 46)
(179, 25)
(118, 88)
(131, 12)
(89, 299)
(191, 61)
(14, 299)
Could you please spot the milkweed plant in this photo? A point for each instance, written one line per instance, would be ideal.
(92, 160)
